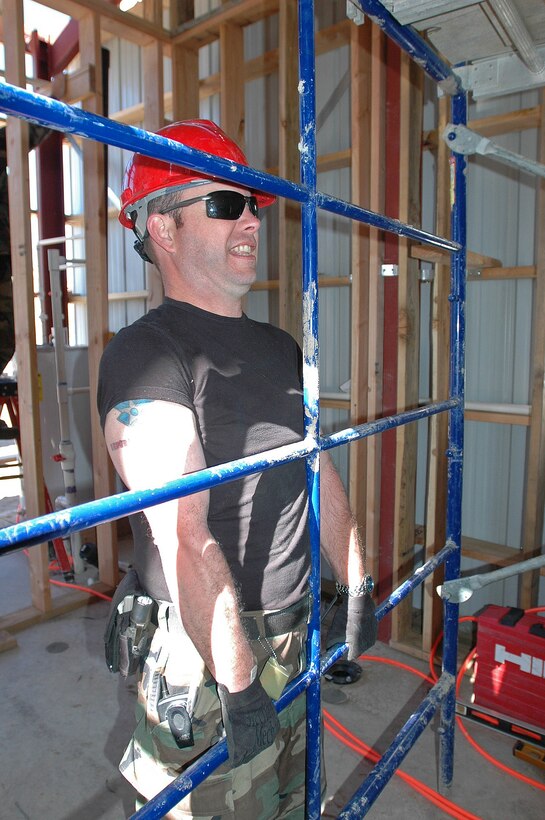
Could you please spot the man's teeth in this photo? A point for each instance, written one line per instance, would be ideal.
(243, 249)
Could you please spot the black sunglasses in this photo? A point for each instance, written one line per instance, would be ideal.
(221, 204)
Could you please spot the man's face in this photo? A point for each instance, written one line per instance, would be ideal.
(219, 255)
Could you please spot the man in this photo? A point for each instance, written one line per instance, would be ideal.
(197, 383)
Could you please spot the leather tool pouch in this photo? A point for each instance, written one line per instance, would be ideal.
(124, 646)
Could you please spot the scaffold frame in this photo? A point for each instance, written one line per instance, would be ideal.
(58, 115)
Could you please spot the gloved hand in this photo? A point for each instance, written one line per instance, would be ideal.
(354, 623)
(250, 721)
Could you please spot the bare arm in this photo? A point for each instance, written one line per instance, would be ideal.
(153, 442)
(339, 536)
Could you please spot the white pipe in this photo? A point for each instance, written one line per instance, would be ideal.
(490, 407)
(479, 406)
(519, 34)
(54, 240)
(66, 448)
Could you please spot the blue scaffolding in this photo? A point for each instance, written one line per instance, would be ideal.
(60, 116)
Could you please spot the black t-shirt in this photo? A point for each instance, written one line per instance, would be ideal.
(242, 380)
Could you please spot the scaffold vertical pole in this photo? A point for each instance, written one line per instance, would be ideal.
(456, 438)
(309, 238)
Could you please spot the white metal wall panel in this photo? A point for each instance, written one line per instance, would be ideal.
(501, 223)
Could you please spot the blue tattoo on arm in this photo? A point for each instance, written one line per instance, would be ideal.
(128, 410)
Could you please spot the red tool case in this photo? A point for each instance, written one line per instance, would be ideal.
(510, 669)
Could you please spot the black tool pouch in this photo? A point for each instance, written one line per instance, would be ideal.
(125, 643)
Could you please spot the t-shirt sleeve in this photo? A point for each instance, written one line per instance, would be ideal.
(141, 364)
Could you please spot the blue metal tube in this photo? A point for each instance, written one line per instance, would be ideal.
(309, 238)
(64, 522)
(55, 114)
(456, 442)
(411, 42)
(343, 208)
(63, 117)
(402, 744)
(371, 428)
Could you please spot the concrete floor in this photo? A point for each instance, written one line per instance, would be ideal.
(65, 721)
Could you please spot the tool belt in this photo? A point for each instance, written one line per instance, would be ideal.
(270, 624)
(130, 627)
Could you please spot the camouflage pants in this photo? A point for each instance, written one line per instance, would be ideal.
(7, 328)
(272, 785)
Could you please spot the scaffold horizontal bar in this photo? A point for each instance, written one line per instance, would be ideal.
(414, 45)
(83, 516)
(343, 208)
(63, 117)
(371, 428)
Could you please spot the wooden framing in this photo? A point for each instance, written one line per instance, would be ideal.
(411, 97)
(23, 305)
(436, 501)
(368, 139)
(366, 161)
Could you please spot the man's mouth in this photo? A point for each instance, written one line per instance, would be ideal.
(244, 250)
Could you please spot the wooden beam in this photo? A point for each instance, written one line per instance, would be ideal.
(408, 336)
(367, 70)
(488, 552)
(30, 616)
(261, 66)
(507, 123)
(437, 255)
(71, 87)
(232, 82)
(152, 74)
(153, 120)
(436, 498)
(23, 305)
(289, 213)
(97, 291)
(375, 297)
(497, 418)
(518, 272)
(185, 84)
(534, 495)
(205, 29)
(121, 24)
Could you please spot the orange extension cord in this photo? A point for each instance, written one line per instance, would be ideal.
(350, 740)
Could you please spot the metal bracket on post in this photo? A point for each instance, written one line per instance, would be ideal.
(389, 270)
(463, 140)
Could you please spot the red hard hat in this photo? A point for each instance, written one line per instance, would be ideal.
(145, 176)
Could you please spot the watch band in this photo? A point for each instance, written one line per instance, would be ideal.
(365, 587)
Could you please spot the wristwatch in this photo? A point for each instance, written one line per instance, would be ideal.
(365, 587)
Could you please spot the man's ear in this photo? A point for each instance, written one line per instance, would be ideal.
(160, 229)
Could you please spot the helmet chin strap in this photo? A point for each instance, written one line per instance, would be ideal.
(139, 248)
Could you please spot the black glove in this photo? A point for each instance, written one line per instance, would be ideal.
(354, 623)
(250, 721)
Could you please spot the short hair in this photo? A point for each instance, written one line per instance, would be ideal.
(156, 206)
